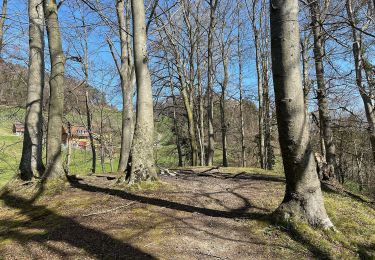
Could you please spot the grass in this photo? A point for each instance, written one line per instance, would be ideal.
(11, 149)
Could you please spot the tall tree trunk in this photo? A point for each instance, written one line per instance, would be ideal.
(2, 21)
(240, 77)
(303, 197)
(127, 89)
(56, 83)
(224, 85)
(87, 99)
(176, 128)
(359, 65)
(325, 118)
(268, 149)
(210, 104)
(143, 163)
(32, 160)
(200, 110)
(256, 33)
(190, 87)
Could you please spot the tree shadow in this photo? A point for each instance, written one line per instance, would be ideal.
(240, 213)
(167, 204)
(239, 176)
(331, 188)
(63, 229)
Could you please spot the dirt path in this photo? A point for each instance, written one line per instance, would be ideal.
(189, 217)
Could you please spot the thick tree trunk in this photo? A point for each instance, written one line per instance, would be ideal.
(210, 105)
(325, 118)
(143, 163)
(56, 83)
(2, 21)
(32, 160)
(127, 89)
(303, 196)
(359, 65)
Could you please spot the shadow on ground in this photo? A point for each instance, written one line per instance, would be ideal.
(64, 229)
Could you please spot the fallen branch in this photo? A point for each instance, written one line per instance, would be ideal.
(109, 210)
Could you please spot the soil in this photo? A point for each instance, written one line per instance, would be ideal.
(192, 215)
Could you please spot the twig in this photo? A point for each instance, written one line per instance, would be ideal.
(109, 210)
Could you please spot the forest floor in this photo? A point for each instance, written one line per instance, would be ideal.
(197, 214)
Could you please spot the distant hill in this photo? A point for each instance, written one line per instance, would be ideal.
(13, 89)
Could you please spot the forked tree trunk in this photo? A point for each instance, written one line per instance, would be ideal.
(143, 163)
(32, 160)
(303, 198)
(256, 32)
(56, 100)
(2, 21)
(127, 89)
(324, 116)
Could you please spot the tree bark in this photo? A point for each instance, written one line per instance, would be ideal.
(258, 61)
(56, 83)
(89, 129)
(143, 163)
(240, 78)
(200, 110)
(224, 85)
(2, 21)
(87, 99)
(31, 164)
(325, 118)
(305, 70)
(303, 198)
(210, 105)
(127, 88)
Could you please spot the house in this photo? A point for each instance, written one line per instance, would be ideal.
(18, 128)
(78, 136)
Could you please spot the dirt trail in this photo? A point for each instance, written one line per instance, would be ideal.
(215, 216)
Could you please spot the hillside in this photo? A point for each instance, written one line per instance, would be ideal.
(13, 89)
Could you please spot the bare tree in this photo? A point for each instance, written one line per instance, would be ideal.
(126, 72)
(317, 16)
(31, 163)
(56, 99)
(361, 64)
(303, 198)
(142, 154)
(210, 79)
